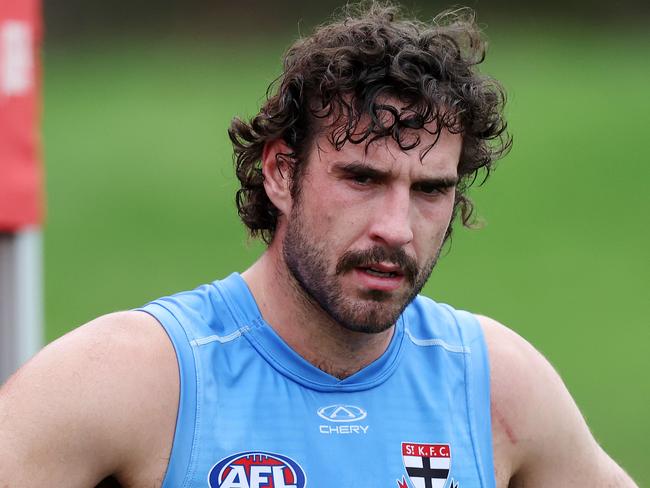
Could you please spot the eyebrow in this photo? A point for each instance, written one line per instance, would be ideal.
(357, 168)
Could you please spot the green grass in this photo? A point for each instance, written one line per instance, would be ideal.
(140, 199)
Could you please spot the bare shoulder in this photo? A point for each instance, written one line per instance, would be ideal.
(103, 398)
(539, 436)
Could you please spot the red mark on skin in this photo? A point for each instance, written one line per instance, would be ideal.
(503, 423)
(402, 484)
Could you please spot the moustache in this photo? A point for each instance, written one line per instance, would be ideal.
(378, 254)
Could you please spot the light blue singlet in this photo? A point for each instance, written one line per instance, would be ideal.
(254, 414)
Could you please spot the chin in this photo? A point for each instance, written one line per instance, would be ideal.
(367, 316)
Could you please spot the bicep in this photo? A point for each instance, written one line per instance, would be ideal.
(47, 432)
(561, 450)
(67, 416)
(548, 442)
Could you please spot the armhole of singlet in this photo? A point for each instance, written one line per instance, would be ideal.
(477, 385)
(181, 457)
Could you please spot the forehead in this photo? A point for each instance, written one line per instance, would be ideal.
(376, 138)
(435, 153)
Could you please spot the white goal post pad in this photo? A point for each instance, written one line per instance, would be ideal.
(21, 298)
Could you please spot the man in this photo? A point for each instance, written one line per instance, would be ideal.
(320, 365)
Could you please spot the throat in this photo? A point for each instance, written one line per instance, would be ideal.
(312, 332)
(109, 482)
(341, 353)
(336, 372)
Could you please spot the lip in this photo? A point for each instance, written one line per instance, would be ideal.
(380, 283)
(387, 268)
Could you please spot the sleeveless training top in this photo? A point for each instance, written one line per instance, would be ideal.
(254, 414)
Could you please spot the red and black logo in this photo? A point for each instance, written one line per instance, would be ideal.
(427, 465)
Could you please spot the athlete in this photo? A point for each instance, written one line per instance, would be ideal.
(320, 365)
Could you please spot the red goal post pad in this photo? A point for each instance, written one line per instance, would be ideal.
(21, 174)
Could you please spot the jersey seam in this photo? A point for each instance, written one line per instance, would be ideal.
(281, 367)
(471, 414)
(197, 422)
(269, 357)
(234, 310)
(437, 342)
(197, 408)
(241, 322)
(202, 341)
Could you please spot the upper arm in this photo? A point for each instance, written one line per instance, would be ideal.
(89, 404)
(539, 435)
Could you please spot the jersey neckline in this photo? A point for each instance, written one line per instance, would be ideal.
(284, 359)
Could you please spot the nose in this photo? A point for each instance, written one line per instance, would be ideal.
(391, 223)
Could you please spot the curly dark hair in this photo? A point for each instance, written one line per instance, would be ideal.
(346, 70)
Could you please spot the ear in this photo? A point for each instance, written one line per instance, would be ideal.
(276, 171)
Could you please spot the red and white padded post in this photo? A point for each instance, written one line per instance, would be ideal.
(21, 199)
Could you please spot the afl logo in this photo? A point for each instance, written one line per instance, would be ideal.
(342, 413)
(256, 469)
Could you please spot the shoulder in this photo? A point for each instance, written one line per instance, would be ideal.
(98, 355)
(216, 308)
(110, 346)
(429, 318)
(93, 396)
(539, 436)
(518, 373)
(516, 367)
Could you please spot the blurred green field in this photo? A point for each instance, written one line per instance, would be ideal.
(140, 198)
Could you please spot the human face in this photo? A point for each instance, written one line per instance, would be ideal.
(366, 227)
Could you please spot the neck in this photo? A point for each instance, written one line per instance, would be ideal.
(304, 325)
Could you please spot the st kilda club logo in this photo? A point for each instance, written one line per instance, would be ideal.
(255, 469)
(427, 465)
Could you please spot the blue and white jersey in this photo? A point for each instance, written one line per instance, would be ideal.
(254, 414)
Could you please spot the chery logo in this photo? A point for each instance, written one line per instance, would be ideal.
(342, 413)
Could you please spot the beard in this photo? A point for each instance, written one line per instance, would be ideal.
(371, 312)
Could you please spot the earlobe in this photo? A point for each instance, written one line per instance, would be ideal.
(276, 171)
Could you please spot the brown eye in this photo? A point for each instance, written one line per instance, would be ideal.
(428, 189)
(362, 179)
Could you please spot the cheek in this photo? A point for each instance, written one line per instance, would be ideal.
(448, 204)
(437, 214)
(433, 221)
(336, 209)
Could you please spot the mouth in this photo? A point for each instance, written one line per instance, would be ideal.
(380, 276)
(382, 271)
(379, 268)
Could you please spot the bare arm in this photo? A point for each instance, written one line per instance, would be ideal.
(99, 401)
(540, 437)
